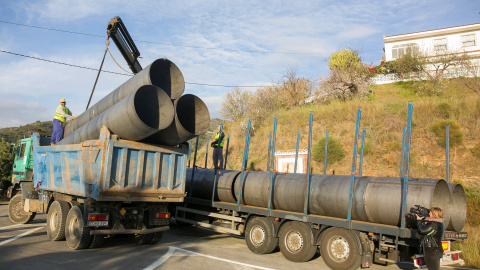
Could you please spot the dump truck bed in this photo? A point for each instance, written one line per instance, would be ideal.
(110, 169)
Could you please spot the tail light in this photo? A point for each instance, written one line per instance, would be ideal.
(162, 215)
(97, 217)
(455, 257)
(420, 261)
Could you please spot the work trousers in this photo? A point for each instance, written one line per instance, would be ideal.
(218, 156)
(57, 133)
(432, 257)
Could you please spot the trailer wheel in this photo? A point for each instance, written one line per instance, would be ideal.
(339, 249)
(16, 213)
(143, 239)
(78, 237)
(56, 219)
(259, 236)
(156, 237)
(296, 242)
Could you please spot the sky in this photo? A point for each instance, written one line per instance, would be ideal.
(217, 45)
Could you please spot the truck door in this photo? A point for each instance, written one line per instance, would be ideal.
(22, 160)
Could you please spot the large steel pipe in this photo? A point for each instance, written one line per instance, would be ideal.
(191, 119)
(203, 184)
(459, 207)
(162, 73)
(135, 117)
(375, 199)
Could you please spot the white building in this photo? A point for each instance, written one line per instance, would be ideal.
(457, 39)
(285, 161)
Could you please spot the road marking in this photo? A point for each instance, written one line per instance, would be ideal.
(20, 235)
(171, 251)
(25, 225)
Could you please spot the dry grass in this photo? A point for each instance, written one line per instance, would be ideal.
(470, 247)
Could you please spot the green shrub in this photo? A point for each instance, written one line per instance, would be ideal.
(335, 150)
(476, 150)
(456, 135)
(444, 110)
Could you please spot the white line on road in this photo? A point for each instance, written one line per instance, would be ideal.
(20, 235)
(171, 251)
(25, 225)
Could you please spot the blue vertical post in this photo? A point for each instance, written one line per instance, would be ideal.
(244, 163)
(309, 176)
(269, 149)
(406, 165)
(215, 175)
(326, 153)
(193, 169)
(189, 151)
(447, 153)
(402, 157)
(296, 153)
(226, 153)
(354, 166)
(361, 154)
(206, 153)
(272, 163)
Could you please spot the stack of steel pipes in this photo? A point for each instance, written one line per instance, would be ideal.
(150, 107)
(375, 199)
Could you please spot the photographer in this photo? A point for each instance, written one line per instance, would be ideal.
(430, 229)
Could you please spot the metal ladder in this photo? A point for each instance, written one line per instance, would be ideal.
(382, 244)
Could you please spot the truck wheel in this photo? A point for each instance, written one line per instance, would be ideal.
(143, 239)
(56, 218)
(296, 242)
(156, 237)
(259, 236)
(339, 249)
(78, 237)
(16, 213)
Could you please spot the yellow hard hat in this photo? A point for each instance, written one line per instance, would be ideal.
(62, 100)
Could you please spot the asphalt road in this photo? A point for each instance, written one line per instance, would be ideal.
(28, 247)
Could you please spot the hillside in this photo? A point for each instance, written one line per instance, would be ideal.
(13, 134)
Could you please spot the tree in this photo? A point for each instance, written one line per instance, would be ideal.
(234, 106)
(469, 72)
(294, 90)
(348, 77)
(6, 160)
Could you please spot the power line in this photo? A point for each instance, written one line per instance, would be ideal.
(172, 44)
(118, 73)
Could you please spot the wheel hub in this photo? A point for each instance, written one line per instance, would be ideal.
(257, 235)
(339, 248)
(294, 241)
(53, 221)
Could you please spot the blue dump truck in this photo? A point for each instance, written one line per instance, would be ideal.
(98, 187)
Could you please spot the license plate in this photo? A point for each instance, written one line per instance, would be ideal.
(98, 223)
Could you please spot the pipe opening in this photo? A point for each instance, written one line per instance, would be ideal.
(459, 203)
(166, 75)
(193, 115)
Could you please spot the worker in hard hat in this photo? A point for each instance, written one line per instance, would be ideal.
(217, 145)
(59, 120)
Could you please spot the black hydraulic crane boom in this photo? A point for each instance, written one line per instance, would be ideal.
(118, 32)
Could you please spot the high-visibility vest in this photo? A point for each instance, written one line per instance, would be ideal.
(59, 116)
(218, 136)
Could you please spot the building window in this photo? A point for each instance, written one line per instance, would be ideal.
(468, 40)
(399, 51)
(440, 44)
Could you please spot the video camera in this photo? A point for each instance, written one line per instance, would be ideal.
(411, 217)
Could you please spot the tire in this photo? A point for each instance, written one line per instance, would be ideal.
(156, 237)
(56, 219)
(339, 249)
(296, 242)
(97, 241)
(143, 239)
(16, 213)
(260, 236)
(77, 236)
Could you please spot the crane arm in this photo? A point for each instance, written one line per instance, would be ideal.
(119, 34)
